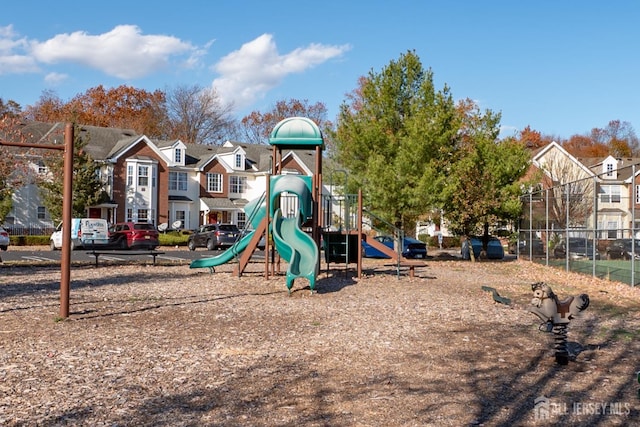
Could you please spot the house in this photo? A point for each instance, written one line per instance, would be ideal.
(618, 192)
(162, 182)
(600, 194)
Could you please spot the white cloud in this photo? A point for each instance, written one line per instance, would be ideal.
(13, 59)
(122, 52)
(507, 130)
(247, 74)
(13, 64)
(55, 78)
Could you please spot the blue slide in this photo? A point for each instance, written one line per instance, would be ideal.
(292, 243)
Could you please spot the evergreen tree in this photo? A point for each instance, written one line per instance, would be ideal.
(87, 188)
(412, 150)
(390, 138)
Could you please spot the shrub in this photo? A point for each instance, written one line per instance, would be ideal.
(173, 238)
(29, 240)
(447, 242)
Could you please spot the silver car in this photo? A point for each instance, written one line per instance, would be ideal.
(214, 236)
(4, 239)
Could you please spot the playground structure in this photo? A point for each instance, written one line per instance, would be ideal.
(291, 212)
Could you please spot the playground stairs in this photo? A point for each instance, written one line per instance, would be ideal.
(381, 247)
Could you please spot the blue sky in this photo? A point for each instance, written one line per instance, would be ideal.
(561, 67)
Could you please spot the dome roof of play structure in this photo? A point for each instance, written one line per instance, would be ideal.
(296, 131)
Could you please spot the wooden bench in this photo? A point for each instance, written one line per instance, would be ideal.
(411, 265)
(97, 254)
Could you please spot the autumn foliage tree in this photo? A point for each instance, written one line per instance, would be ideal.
(14, 171)
(532, 139)
(256, 127)
(9, 108)
(191, 113)
(584, 146)
(617, 139)
(121, 107)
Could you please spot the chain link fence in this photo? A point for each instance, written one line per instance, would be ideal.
(589, 225)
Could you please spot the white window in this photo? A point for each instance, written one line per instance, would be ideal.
(143, 176)
(237, 184)
(178, 181)
(242, 219)
(143, 215)
(129, 215)
(637, 194)
(238, 161)
(42, 212)
(214, 183)
(610, 194)
(609, 169)
(178, 155)
(42, 169)
(129, 175)
(180, 216)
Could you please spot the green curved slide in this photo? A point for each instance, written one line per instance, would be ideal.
(225, 256)
(292, 243)
(297, 247)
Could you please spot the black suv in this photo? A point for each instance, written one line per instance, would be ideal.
(213, 236)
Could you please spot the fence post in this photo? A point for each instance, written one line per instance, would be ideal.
(595, 226)
(530, 223)
(546, 214)
(634, 195)
(566, 228)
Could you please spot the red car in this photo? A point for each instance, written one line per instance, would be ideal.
(127, 235)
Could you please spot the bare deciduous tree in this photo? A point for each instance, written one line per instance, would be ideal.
(197, 115)
(572, 192)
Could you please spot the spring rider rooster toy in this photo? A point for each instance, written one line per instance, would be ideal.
(556, 314)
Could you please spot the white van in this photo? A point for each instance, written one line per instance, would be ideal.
(85, 232)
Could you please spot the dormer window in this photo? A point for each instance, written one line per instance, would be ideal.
(238, 161)
(609, 168)
(178, 155)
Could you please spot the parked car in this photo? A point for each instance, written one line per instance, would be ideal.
(4, 239)
(261, 243)
(494, 248)
(411, 248)
(130, 235)
(85, 232)
(537, 247)
(213, 236)
(579, 248)
(622, 249)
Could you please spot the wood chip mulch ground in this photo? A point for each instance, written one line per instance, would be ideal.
(168, 345)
